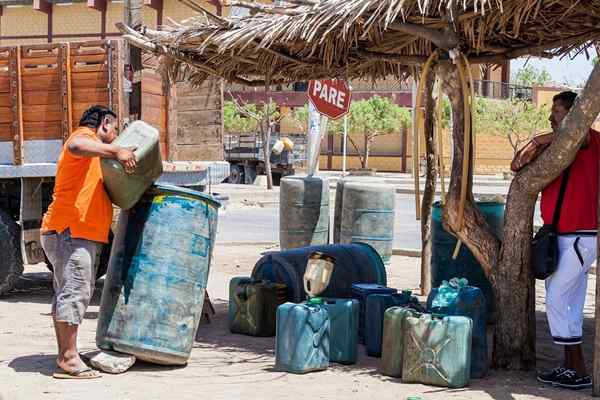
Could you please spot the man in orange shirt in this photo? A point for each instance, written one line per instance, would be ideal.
(76, 225)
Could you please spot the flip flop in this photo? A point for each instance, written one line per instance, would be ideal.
(83, 373)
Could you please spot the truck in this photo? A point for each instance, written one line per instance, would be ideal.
(246, 158)
(44, 89)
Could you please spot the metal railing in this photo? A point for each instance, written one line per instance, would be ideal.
(489, 89)
(503, 91)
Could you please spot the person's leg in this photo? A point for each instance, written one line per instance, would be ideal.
(73, 297)
(559, 287)
(575, 358)
(574, 295)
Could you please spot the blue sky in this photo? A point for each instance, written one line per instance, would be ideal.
(565, 71)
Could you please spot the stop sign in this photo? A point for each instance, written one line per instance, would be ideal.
(331, 97)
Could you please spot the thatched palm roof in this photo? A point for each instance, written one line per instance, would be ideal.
(367, 38)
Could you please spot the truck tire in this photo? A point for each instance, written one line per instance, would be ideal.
(11, 263)
(236, 175)
(101, 260)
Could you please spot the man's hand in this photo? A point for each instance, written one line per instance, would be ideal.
(127, 159)
(530, 152)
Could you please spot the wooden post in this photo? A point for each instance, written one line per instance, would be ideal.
(157, 5)
(14, 68)
(45, 7)
(64, 66)
(132, 17)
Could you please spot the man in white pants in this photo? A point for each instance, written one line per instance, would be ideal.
(566, 288)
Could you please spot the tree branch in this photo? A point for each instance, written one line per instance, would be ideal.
(262, 8)
(393, 58)
(443, 39)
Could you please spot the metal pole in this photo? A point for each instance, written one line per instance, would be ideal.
(344, 144)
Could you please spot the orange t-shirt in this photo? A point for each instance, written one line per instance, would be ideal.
(80, 202)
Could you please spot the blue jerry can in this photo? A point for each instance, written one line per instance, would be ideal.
(374, 312)
(302, 338)
(343, 334)
(457, 298)
(360, 292)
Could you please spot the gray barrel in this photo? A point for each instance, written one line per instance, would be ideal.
(339, 196)
(303, 211)
(368, 212)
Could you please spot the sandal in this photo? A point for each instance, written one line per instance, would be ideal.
(83, 373)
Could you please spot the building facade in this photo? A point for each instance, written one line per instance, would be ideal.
(46, 21)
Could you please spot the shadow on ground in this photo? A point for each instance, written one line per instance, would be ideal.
(500, 385)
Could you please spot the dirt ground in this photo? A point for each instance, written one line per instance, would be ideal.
(226, 366)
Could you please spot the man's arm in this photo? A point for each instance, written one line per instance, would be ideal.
(530, 151)
(85, 147)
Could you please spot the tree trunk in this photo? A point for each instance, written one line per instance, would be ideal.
(514, 338)
(430, 181)
(474, 232)
(365, 160)
(508, 266)
(266, 136)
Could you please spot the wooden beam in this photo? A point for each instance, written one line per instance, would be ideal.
(43, 6)
(98, 5)
(64, 65)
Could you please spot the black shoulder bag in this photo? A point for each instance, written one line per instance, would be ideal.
(544, 246)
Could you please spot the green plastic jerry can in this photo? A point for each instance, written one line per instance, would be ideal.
(393, 340)
(437, 350)
(125, 189)
(253, 306)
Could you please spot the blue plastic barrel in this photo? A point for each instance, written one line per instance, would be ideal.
(444, 268)
(154, 291)
(354, 263)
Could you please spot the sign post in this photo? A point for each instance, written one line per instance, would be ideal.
(331, 98)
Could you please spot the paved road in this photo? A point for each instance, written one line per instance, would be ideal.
(256, 224)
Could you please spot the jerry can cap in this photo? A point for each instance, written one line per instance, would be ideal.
(315, 301)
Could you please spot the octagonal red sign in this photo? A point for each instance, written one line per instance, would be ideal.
(331, 97)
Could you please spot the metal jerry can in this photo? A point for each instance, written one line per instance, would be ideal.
(458, 298)
(374, 312)
(393, 340)
(302, 340)
(437, 350)
(343, 334)
(253, 306)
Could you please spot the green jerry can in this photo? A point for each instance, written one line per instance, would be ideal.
(393, 340)
(437, 350)
(253, 306)
(343, 329)
(125, 189)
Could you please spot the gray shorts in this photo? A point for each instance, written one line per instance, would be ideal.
(74, 263)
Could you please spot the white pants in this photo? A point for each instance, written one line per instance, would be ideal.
(567, 287)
